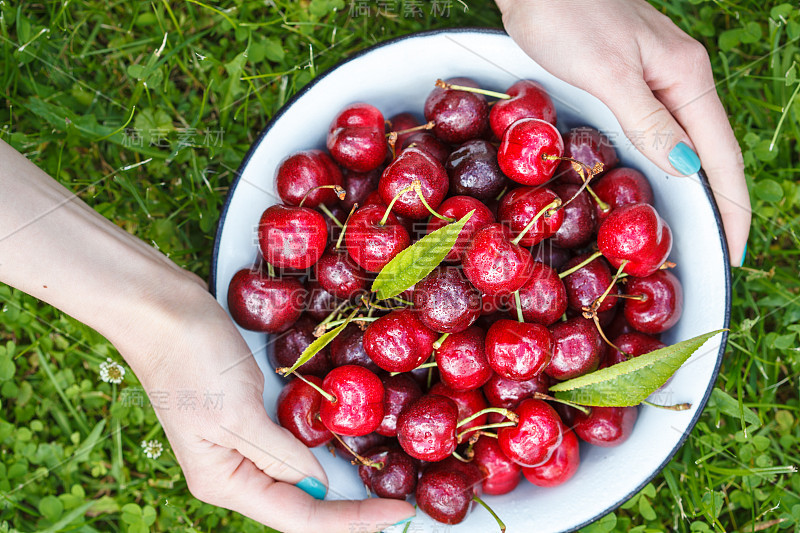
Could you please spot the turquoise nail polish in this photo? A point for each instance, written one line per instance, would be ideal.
(313, 487)
(684, 160)
(744, 255)
(401, 522)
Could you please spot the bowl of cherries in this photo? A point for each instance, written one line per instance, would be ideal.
(459, 275)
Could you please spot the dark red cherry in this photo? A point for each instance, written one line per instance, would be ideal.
(262, 303)
(637, 234)
(457, 207)
(474, 171)
(588, 283)
(410, 165)
(444, 495)
(580, 218)
(400, 391)
(459, 115)
(292, 237)
(508, 393)
(588, 146)
(399, 341)
(426, 429)
(400, 122)
(357, 186)
(561, 466)
(579, 349)
(461, 360)
(358, 408)
(633, 344)
(298, 411)
(535, 437)
(622, 186)
(519, 206)
(321, 303)
(370, 244)
(339, 274)
(662, 305)
(518, 350)
(427, 142)
(445, 301)
(339, 214)
(303, 171)
(501, 475)
(494, 264)
(618, 325)
(286, 348)
(524, 150)
(543, 298)
(469, 402)
(347, 348)
(360, 444)
(606, 426)
(551, 255)
(528, 100)
(357, 138)
(396, 477)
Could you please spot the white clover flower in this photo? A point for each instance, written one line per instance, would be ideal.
(152, 448)
(111, 372)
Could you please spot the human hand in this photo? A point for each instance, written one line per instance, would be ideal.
(656, 80)
(231, 453)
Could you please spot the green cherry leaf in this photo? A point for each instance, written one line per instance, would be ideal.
(418, 260)
(321, 342)
(630, 382)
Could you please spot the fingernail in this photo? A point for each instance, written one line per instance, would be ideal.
(683, 159)
(401, 522)
(744, 255)
(313, 487)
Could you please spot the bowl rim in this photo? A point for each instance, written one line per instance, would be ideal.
(703, 178)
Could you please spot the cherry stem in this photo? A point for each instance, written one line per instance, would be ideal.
(666, 265)
(440, 341)
(378, 465)
(429, 126)
(320, 329)
(592, 315)
(581, 408)
(324, 209)
(502, 193)
(512, 416)
(444, 85)
(335, 323)
(518, 303)
(418, 189)
(392, 141)
(327, 395)
(555, 204)
(429, 381)
(338, 189)
(460, 458)
(580, 265)
(270, 270)
(578, 167)
(491, 512)
(598, 302)
(676, 407)
(640, 297)
(391, 204)
(486, 426)
(431, 364)
(344, 227)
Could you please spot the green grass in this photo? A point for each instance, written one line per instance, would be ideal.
(70, 458)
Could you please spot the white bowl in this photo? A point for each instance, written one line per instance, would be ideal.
(396, 76)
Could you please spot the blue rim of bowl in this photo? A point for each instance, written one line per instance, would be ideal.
(701, 174)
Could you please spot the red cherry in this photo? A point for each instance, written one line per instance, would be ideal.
(360, 444)
(303, 171)
(400, 391)
(444, 495)
(461, 360)
(445, 301)
(518, 350)
(457, 207)
(549, 254)
(397, 476)
(508, 393)
(358, 408)
(561, 466)
(521, 205)
(426, 429)
(370, 244)
(578, 350)
(474, 171)
(633, 344)
(528, 100)
(288, 346)
(535, 437)
(524, 151)
(339, 274)
(399, 341)
(261, 303)
(588, 146)
(662, 305)
(410, 165)
(606, 426)
(401, 122)
(494, 264)
(588, 283)
(347, 348)
(321, 303)
(622, 186)
(501, 475)
(427, 142)
(292, 237)
(543, 298)
(637, 234)
(357, 139)
(580, 218)
(459, 115)
(469, 402)
(298, 411)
